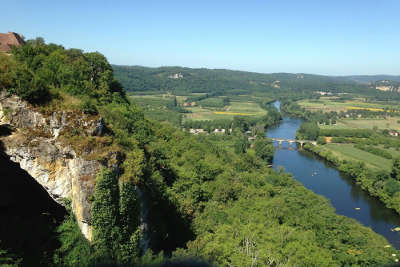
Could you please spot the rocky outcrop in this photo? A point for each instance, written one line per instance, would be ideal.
(36, 145)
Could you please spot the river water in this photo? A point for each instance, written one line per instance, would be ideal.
(320, 177)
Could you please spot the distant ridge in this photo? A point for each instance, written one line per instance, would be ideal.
(373, 78)
(223, 81)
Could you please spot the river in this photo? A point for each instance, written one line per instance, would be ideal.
(322, 178)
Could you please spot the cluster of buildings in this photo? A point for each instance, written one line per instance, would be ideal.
(202, 131)
(176, 76)
(323, 93)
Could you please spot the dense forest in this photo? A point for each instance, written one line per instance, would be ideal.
(187, 80)
(203, 200)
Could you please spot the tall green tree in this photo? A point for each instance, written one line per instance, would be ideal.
(264, 149)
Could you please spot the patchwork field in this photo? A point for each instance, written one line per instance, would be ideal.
(328, 104)
(367, 123)
(234, 109)
(155, 107)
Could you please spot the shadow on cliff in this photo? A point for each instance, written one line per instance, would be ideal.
(168, 229)
(28, 215)
(5, 130)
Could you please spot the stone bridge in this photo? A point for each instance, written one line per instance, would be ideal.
(291, 141)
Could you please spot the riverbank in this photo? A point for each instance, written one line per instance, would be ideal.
(376, 184)
(324, 179)
(372, 177)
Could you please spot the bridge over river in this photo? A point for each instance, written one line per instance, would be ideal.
(291, 141)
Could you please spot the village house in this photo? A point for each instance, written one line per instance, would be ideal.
(197, 131)
(323, 93)
(176, 76)
(393, 133)
(219, 131)
(8, 40)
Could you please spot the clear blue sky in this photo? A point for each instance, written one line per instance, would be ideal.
(337, 37)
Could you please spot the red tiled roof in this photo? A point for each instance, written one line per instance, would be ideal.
(7, 40)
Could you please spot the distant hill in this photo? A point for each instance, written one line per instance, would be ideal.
(372, 78)
(189, 80)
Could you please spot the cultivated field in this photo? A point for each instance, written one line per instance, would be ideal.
(328, 104)
(367, 123)
(234, 109)
(349, 152)
(155, 107)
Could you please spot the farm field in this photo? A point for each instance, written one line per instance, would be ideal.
(234, 109)
(349, 152)
(154, 107)
(389, 123)
(328, 104)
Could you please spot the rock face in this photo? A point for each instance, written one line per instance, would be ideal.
(34, 143)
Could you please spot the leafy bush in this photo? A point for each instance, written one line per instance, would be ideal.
(36, 67)
(88, 107)
(308, 131)
(321, 140)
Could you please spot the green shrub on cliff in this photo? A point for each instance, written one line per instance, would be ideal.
(37, 67)
(115, 219)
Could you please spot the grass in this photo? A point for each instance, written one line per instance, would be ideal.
(349, 152)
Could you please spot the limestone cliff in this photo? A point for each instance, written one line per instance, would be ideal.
(65, 169)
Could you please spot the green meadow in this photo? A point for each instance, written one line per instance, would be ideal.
(349, 152)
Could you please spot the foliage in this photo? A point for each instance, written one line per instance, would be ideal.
(321, 140)
(200, 199)
(228, 82)
(8, 260)
(37, 67)
(7, 68)
(395, 173)
(308, 131)
(75, 249)
(88, 106)
(244, 213)
(376, 183)
(115, 219)
(264, 149)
